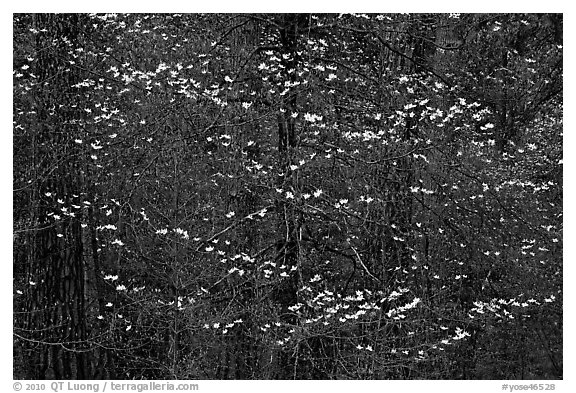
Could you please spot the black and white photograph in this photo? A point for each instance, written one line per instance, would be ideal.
(287, 196)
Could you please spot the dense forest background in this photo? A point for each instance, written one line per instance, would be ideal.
(220, 196)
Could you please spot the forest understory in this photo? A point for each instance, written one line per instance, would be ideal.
(287, 196)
